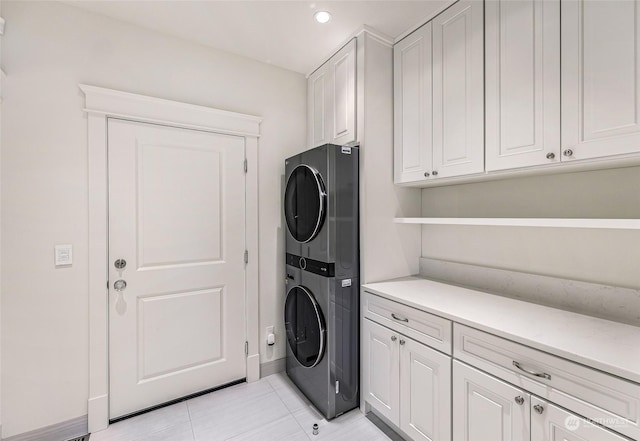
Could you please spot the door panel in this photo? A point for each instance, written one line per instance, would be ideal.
(176, 215)
(522, 83)
(486, 408)
(425, 388)
(458, 90)
(343, 70)
(413, 104)
(600, 78)
(318, 87)
(380, 373)
(556, 424)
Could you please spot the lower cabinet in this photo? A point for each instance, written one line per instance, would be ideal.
(488, 409)
(407, 382)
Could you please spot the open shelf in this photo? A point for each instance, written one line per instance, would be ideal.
(612, 224)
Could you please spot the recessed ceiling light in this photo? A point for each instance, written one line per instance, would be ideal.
(322, 16)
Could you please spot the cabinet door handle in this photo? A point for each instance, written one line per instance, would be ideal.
(400, 319)
(519, 400)
(551, 155)
(402, 342)
(394, 338)
(538, 408)
(535, 374)
(568, 152)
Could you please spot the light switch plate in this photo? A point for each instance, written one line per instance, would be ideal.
(63, 254)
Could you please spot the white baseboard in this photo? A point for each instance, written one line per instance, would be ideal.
(59, 432)
(272, 367)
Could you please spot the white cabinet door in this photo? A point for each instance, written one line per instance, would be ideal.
(485, 408)
(380, 374)
(343, 77)
(412, 95)
(425, 392)
(551, 423)
(318, 107)
(600, 78)
(458, 90)
(522, 44)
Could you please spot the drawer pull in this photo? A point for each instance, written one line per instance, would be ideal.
(400, 319)
(535, 374)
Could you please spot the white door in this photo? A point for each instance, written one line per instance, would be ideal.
(380, 373)
(412, 98)
(551, 423)
(176, 216)
(318, 107)
(425, 392)
(458, 90)
(485, 408)
(522, 56)
(343, 76)
(600, 78)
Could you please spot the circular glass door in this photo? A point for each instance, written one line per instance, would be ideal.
(304, 203)
(304, 325)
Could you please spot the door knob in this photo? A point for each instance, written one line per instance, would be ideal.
(538, 408)
(426, 174)
(120, 285)
(551, 155)
(568, 153)
(519, 400)
(394, 338)
(120, 264)
(402, 342)
(434, 173)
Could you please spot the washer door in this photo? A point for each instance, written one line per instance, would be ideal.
(304, 203)
(305, 327)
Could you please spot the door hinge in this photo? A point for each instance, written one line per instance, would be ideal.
(246, 256)
(246, 348)
(246, 165)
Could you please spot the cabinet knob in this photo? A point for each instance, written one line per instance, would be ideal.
(519, 400)
(551, 155)
(402, 342)
(538, 408)
(394, 338)
(426, 174)
(568, 152)
(434, 173)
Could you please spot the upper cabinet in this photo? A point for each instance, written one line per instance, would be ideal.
(546, 85)
(522, 50)
(439, 97)
(331, 100)
(458, 90)
(413, 102)
(600, 78)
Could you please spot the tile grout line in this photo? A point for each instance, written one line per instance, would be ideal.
(289, 410)
(193, 433)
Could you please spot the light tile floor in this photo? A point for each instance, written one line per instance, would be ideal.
(271, 409)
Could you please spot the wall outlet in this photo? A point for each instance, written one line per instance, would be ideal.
(271, 338)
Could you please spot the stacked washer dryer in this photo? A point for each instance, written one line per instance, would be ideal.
(322, 266)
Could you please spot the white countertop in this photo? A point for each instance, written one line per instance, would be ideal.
(601, 344)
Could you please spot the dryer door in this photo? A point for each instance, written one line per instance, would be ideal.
(305, 201)
(305, 326)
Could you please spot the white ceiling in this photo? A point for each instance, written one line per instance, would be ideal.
(282, 33)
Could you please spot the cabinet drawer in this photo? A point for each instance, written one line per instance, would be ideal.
(588, 392)
(426, 328)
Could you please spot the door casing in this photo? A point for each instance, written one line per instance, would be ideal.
(100, 104)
